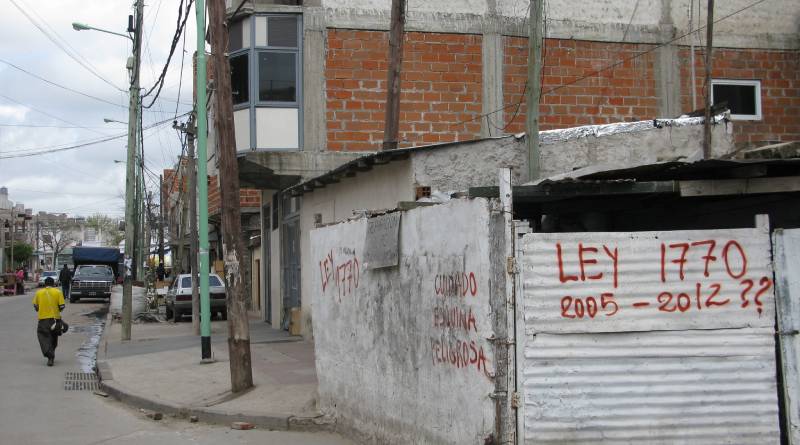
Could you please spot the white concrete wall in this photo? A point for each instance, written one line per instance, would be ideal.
(386, 359)
(770, 24)
(380, 188)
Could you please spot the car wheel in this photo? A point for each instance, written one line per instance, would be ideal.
(168, 312)
(73, 299)
(176, 316)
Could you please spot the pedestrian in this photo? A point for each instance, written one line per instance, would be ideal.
(48, 303)
(65, 277)
(20, 281)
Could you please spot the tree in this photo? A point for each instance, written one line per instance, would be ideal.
(106, 229)
(57, 235)
(22, 253)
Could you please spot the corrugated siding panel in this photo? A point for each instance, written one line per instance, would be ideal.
(643, 376)
(787, 275)
(638, 271)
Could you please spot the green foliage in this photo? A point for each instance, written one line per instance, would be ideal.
(22, 253)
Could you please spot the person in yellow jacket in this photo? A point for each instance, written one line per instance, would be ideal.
(48, 303)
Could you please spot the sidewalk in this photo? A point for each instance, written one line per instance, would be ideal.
(160, 369)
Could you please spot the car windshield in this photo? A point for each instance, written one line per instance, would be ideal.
(94, 271)
(49, 274)
(212, 281)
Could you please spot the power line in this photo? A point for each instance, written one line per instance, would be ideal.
(68, 50)
(39, 151)
(44, 126)
(180, 28)
(61, 86)
(615, 64)
(50, 115)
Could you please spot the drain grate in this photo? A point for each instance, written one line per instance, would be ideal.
(80, 381)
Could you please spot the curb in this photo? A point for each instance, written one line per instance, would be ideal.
(280, 422)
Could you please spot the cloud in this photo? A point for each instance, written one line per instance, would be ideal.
(86, 180)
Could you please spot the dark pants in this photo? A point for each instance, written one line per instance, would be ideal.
(20, 288)
(65, 290)
(48, 340)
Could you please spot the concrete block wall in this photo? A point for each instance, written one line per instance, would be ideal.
(625, 93)
(779, 73)
(402, 354)
(441, 86)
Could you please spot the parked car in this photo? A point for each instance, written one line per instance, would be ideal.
(48, 274)
(179, 297)
(91, 281)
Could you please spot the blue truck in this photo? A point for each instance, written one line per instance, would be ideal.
(96, 271)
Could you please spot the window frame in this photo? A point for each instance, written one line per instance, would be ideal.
(742, 82)
(255, 68)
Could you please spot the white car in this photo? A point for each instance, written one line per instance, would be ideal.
(179, 297)
(48, 274)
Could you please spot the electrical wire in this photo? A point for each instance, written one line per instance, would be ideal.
(61, 86)
(616, 64)
(175, 39)
(68, 50)
(44, 126)
(28, 153)
(50, 115)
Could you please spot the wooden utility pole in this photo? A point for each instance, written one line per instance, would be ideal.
(232, 246)
(709, 50)
(391, 129)
(161, 204)
(532, 99)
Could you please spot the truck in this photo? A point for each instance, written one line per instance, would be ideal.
(96, 269)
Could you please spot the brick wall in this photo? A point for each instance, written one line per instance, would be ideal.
(625, 93)
(247, 197)
(441, 87)
(779, 73)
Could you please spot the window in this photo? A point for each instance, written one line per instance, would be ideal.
(239, 79)
(277, 77)
(743, 97)
(265, 56)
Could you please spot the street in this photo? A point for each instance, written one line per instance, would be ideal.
(37, 409)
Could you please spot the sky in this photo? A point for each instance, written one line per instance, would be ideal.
(37, 116)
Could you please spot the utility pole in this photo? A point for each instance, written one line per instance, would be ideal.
(202, 183)
(232, 245)
(709, 56)
(161, 220)
(127, 289)
(13, 232)
(194, 242)
(534, 84)
(391, 129)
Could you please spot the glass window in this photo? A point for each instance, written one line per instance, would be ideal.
(235, 36)
(186, 282)
(282, 31)
(743, 97)
(214, 281)
(277, 80)
(239, 79)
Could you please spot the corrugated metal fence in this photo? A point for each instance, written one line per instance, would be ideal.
(648, 337)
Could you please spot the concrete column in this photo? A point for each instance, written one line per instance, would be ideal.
(492, 53)
(314, 122)
(667, 67)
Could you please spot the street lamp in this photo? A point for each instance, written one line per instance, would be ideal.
(108, 121)
(77, 26)
(130, 175)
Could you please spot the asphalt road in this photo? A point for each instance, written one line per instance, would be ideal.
(36, 409)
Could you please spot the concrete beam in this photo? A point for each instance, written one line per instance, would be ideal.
(720, 187)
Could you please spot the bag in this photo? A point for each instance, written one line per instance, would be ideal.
(59, 327)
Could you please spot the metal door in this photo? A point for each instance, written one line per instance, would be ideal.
(290, 262)
(787, 285)
(647, 337)
(266, 249)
